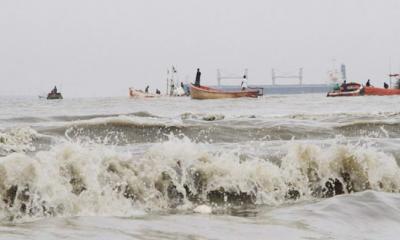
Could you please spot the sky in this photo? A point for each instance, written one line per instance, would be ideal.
(94, 48)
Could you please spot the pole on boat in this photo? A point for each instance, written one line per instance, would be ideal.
(166, 92)
(219, 77)
(390, 72)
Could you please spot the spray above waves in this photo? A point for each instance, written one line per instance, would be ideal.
(73, 180)
(17, 140)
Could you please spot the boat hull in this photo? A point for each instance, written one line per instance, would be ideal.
(140, 94)
(352, 89)
(202, 92)
(374, 91)
(354, 93)
(53, 96)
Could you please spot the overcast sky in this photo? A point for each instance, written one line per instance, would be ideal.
(100, 48)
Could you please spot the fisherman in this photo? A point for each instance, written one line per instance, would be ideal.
(244, 83)
(146, 90)
(368, 84)
(158, 92)
(198, 75)
(344, 85)
(54, 91)
(171, 91)
(385, 85)
(336, 87)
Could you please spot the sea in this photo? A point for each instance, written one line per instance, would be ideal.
(277, 167)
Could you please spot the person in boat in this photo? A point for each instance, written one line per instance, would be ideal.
(344, 86)
(146, 90)
(336, 87)
(368, 84)
(54, 91)
(158, 92)
(385, 85)
(244, 83)
(198, 75)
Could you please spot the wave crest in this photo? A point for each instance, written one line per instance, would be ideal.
(72, 180)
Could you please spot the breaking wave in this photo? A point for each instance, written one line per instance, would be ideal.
(121, 130)
(67, 118)
(75, 180)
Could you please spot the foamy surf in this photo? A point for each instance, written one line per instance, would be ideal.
(81, 180)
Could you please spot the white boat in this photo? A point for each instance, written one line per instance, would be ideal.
(140, 94)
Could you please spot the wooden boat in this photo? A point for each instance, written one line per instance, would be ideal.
(140, 94)
(203, 92)
(356, 89)
(352, 89)
(52, 96)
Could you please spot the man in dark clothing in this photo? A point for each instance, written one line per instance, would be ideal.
(198, 75)
(147, 89)
(385, 85)
(368, 84)
(54, 91)
(344, 85)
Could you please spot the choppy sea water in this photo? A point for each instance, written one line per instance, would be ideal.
(277, 167)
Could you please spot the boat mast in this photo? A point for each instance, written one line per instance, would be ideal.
(390, 72)
(166, 92)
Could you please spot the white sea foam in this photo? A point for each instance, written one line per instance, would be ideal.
(75, 180)
(17, 139)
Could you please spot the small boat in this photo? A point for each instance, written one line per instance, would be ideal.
(203, 92)
(352, 89)
(356, 89)
(140, 94)
(52, 96)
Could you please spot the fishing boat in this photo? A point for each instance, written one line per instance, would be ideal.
(140, 94)
(203, 92)
(356, 89)
(352, 89)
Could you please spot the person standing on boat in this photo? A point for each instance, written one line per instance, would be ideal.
(198, 75)
(54, 91)
(146, 90)
(344, 85)
(385, 85)
(368, 84)
(244, 83)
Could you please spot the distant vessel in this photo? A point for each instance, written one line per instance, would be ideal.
(284, 89)
(140, 94)
(275, 88)
(202, 92)
(54, 94)
(356, 89)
